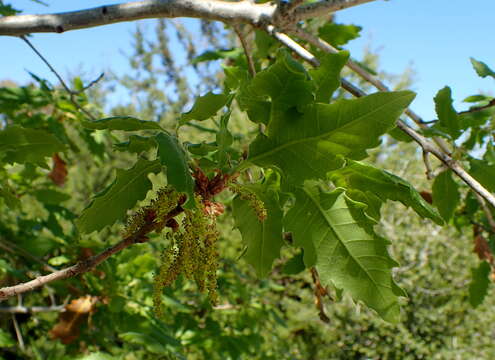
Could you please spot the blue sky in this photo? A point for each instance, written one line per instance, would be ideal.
(435, 37)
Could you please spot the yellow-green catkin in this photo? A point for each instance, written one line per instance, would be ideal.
(192, 252)
(254, 202)
(165, 201)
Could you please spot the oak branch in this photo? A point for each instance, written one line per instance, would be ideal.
(226, 11)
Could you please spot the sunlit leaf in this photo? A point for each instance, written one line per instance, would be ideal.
(338, 238)
(478, 288)
(21, 145)
(112, 203)
(172, 155)
(373, 183)
(205, 107)
(125, 123)
(263, 238)
(446, 194)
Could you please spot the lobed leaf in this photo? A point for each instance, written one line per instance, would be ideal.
(373, 186)
(327, 75)
(23, 145)
(445, 194)
(125, 123)
(172, 155)
(111, 204)
(263, 238)
(338, 238)
(482, 69)
(448, 120)
(205, 107)
(311, 145)
(137, 144)
(478, 288)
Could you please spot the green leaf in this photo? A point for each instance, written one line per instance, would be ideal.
(294, 265)
(217, 54)
(9, 196)
(338, 238)
(445, 194)
(51, 197)
(477, 98)
(309, 146)
(483, 172)
(448, 120)
(137, 144)
(263, 238)
(288, 86)
(478, 288)
(338, 34)
(482, 69)
(21, 145)
(112, 203)
(58, 260)
(327, 75)
(173, 156)
(205, 107)
(5, 339)
(125, 123)
(373, 183)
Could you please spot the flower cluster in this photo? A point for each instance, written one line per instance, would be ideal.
(254, 202)
(192, 252)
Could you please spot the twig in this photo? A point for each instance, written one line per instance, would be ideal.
(469, 111)
(92, 83)
(31, 309)
(86, 265)
(488, 213)
(247, 52)
(426, 145)
(429, 172)
(18, 332)
(325, 7)
(319, 292)
(52, 69)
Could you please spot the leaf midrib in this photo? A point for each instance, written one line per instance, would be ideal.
(317, 205)
(314, 138)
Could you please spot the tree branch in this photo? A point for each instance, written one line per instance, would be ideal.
(86, 265)
(226, 11)
(64, 85)
(324, 7)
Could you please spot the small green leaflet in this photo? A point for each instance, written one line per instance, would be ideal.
(217, 54)
(125, 123)
(338, 34)
(50, 196)
(137, 144)
(111, 204)
(445, 194)
(205, 107)
(483, 172)
(22, 145)
(448, 120)
(263, 238)
(172, 155)
(478, 288)
(338, 238)
(327, 75)
(310, 146)
(482, 69)
(373, 186)
(9, 196)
